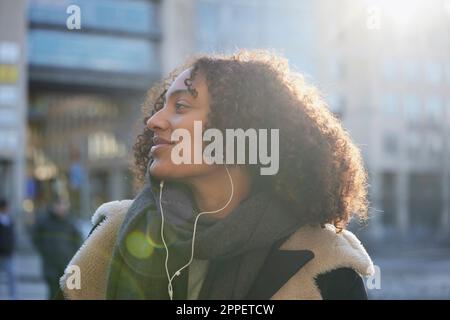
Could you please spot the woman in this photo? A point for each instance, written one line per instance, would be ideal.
(208, 230)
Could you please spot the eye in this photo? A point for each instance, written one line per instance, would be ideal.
(180, 106)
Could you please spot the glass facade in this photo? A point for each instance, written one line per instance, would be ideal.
(90, 51)
(226, 26)
(111, 15)
(84, 138)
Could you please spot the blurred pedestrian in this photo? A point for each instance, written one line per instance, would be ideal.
(7, 242)
(56, 238)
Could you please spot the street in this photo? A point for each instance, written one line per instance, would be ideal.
(30, 284)
(414, 274)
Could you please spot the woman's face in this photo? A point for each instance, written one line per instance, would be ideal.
(180, 111)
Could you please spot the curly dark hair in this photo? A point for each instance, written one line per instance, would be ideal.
(321, 174)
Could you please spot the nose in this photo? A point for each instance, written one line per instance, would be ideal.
(158, 122)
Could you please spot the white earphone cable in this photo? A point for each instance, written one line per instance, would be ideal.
(177, 273)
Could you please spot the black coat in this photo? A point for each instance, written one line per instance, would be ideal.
(56, 239)
(281, 265)
(7, 240)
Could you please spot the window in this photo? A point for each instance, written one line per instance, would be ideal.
(411, 71)
(388, 69)
(412, 106)
(435, 145)
(390, 143)
(414, 144)
(433, 108)
(389, 104)
(388, 197)
(103, 145)
(433, 72)
(9, 141)
(8, 117)
(9, 95)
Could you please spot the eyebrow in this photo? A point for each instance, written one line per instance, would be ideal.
(177, 92)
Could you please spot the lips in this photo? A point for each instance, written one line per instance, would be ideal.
(160, 141)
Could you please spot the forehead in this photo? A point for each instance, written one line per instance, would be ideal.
(179, 83)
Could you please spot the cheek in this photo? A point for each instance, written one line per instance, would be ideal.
(163, 167)
(195, 126)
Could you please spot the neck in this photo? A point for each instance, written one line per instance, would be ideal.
(213, 191)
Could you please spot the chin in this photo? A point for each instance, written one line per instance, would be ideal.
(166, 170)
(161, 170)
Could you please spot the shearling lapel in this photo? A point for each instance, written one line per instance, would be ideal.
(280, 266)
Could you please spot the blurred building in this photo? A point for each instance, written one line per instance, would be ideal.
(388, 67)
(86, 87)
(13, 102)
(194, 26)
